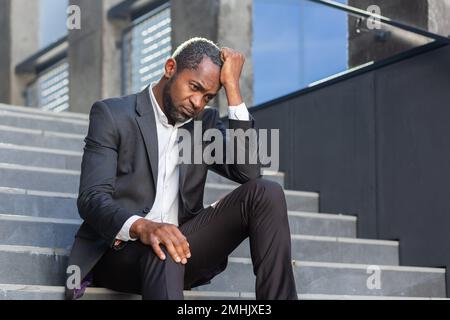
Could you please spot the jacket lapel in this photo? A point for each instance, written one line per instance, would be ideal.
(147, 125)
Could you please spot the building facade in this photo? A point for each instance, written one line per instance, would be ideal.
(63, 55)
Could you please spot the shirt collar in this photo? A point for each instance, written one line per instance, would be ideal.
(159, 114)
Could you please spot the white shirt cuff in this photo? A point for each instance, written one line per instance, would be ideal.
(239, 112)
(124, 233)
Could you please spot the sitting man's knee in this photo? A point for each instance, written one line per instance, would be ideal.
(266, 184)
(271, 189)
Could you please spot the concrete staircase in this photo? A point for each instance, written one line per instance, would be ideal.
(40, 156)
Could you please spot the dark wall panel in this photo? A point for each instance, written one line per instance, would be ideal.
(413, 102)
(333, 138)
(327, 146)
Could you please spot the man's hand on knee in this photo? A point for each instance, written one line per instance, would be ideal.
(153, 234)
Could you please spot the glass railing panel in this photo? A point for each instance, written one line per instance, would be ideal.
(300, 43)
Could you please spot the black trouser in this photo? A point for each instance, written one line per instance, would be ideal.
(256, 209)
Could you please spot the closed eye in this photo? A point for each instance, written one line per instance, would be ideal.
(194, 87)
(209, 98)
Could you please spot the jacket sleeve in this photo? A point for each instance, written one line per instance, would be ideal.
(237, 146)
(95, 202)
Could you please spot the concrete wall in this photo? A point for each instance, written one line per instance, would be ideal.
(94, 57)
(5, 51)
(19, 39)
(198, 19)
(439, 16)
(235, 30)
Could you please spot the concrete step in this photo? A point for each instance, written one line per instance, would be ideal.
(27, 202)
(360, 297)
(46, 266)
(71, 160)
(28, 292)
(67, 181)
(35, 203)
(35, 111)
(59, 233)
(37, 178)
(38, 232)
(42, 122)
(32, 265)
(269, 175)
(41, 138)
(34, 292)
(322, 224)
(340, 279)
(296, 200)
(331, 249)
(40, 157)
(251, 296)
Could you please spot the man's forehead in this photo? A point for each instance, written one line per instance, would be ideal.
(207, 75)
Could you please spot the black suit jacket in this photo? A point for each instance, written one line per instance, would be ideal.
(120, 167)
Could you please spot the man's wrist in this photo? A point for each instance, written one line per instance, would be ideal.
(233, 94)
(136, 227)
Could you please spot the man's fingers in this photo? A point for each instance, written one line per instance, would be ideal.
(180, 245)
(186, 249)
(172, 251)
(157, 249)
(177, 244)
(174, 241)
(184, 244)
(225, 53)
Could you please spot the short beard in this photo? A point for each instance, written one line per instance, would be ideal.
(171, 111)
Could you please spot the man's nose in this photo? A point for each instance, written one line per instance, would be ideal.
(196, 101)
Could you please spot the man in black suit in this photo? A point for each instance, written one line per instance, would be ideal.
(145, 228)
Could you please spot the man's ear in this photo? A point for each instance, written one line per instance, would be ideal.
(170, 68)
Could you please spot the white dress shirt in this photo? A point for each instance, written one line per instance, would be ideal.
(165, 206)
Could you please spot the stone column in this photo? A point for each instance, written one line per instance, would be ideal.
(439, 17)
(94, 55)
(236, 31)
(19, 38)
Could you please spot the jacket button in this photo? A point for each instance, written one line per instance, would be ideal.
(146, 210)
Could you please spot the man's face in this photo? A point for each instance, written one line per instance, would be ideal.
(187, 93)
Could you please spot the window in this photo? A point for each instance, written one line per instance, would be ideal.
(50, 90)
(146, 48)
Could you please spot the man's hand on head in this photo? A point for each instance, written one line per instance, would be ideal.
(153, 234)
(233, 63)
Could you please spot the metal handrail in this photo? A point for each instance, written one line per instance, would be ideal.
(384, 20)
